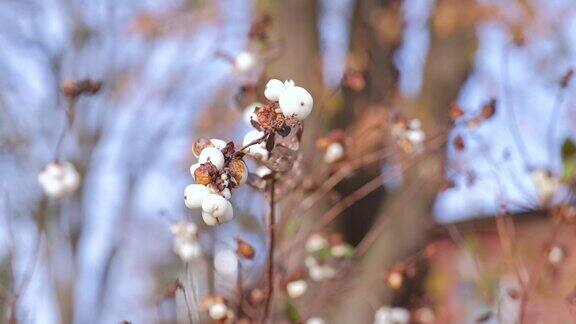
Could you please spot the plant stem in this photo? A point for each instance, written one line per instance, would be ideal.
(271, 222)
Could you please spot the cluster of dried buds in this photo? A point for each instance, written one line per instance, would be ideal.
(409, 135)
(287, 107)
(219, 170)
(334, 146)
(74, 88)
(217, 309)
(186, 244)
(325, 255)
(59, 179)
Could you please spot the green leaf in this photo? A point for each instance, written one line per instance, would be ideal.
(292, 311)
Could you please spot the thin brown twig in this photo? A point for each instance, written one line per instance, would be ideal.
(271, 222)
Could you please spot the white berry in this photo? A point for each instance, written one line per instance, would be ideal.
(218, 311)
(274, 89)
(244, 62)
(296, 102)
(250, 113)
(59, 179)
(218, 143)
(296, 288)
(334, 153)
(213, 155)
(218, 208)
(194, 194)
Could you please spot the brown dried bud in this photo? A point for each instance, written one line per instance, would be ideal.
(172, 288)
(322, 143)
(205, 173)
(239, 172)
(201, 144)
(245, 250)
(489, 109)
(270, 118)
(459, 143)
(70, 88)
(456, 112)
(395, 279)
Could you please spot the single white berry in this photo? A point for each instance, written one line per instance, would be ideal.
(334, 152)
(315, 243)
(226, 193)
(274, 89)
(316, 273)
(262, 171)
(296, 102)
(218, 311)
(556, 255)
(213, 155)
(194, 194)
(218, 143)
(218, 208)
(244, 62)
(296, 288)
(315, 320)
(226, 262)
(250, 112)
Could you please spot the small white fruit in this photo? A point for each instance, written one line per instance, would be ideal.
(296, 288)
(274, 89)
(213, 155)
(218, 208)
(334, 152)
(218, 311)
(194, 194)
(244, 62)
(296, 102)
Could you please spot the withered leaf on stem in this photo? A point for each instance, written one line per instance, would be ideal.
(281, 159)
(566, 78)
(255, 124)
(270, 142)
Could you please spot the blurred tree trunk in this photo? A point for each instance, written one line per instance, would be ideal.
(409, 209)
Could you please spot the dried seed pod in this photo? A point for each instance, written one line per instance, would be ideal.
(245, 250)
(201, 144)
(239, 172)
(205, 173)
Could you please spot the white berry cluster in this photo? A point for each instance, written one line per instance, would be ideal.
(186, 240)
(409, 135)
(287, 106)
(294, 101)
(323, 257)
(59, 179)
(391, 315)
(218, 171)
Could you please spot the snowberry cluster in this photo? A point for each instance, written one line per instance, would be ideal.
(219, 170)
(333, 146)
(409, 135)
(391, 315)
(323, 256)
(59, 179)
(186, 240)
(288, 106)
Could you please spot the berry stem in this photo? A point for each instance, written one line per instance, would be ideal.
(271, 222)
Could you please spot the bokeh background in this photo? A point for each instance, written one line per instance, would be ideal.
(167, 70)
